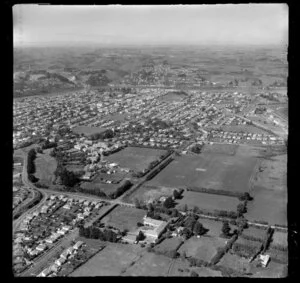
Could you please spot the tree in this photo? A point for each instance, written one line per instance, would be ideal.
(137, 203)
(226, 228)
(245, 196)
(176, 194)
(168, 202)
(199, 229)
(194, 274)
(140, 236)
(150, 207)
(175, 212)
(241, 208)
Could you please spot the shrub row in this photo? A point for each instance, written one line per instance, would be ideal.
(279, 247)
(222, 251)
(157, 170)
(215, 192)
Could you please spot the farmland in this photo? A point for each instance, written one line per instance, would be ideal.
(149, 264)
(135, 158)
(204, 248)
(124, 218)
(235, 262)
(213, 171)
(274, 270)
(208, 201)
(111, 261)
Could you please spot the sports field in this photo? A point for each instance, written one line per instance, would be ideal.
(135, 158)
(208, 201)
(208, 170)
(124, 218)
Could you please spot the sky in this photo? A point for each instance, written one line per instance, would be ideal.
(230, 24)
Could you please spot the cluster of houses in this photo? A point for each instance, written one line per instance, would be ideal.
(240, 137)
(19, 195)
(33, 242)
(51, 271)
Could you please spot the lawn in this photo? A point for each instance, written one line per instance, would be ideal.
(216, 171)
(204, 248)
(168, 245)
(124, 218)
(280, 238)
(45, 167)
(149, 265)
(135, 158)
(111, 261)
(215, 227)
(208, 201)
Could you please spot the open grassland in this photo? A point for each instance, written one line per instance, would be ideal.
(146, 193)
(181, 268)
(273, 173)
(204, 248)
(273, 270)
(208, 201)
(98, 185)
(124, 218)
(111, 261)
(135, 158)
(168, 245)
(213, 171)
(280, 238)
(45, 167)
(268, 205)
(235, 262)
(149, 265)
(227, 149)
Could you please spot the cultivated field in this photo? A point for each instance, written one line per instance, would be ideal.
(214, 171)
(135, 158)
(45, 167)
(204, 248)
(254, 232)
(273, 270)
(149, 265)
(124, 218)
(208, 201)
(111, 261)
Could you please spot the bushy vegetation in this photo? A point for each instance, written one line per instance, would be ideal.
(93, 232)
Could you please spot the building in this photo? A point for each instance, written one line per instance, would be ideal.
(264, 260)
(153, 228)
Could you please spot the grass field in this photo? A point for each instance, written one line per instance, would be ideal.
(168, 245)
(204, 248)
(111, 261)
(149, 265)
(135, 158)
(182, 268)
(280, 238)
(273, 270)
(124, 218)
(254, 232)
(208, 201)
(228, 149)
(235, 262)
(268, 205)
(95, 185)
(214, 171)
(45, 167)
(87, 130)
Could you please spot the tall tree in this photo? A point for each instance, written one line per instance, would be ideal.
(226, 228)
